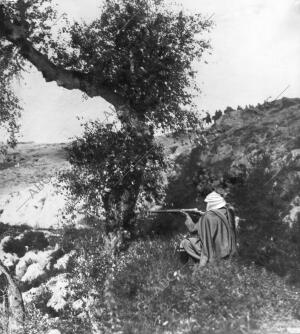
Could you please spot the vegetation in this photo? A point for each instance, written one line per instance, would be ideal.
(30, 240)
(138, 56)
(9, 103)
(110, 167)
(141, 63)
(146, 288)
(262, 201)
(151, 293)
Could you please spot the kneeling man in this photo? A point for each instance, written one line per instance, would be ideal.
(215, 233)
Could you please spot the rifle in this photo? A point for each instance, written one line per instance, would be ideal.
(193, 211)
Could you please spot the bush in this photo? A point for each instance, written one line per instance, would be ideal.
(30, 240)
(12, 230)
(35, 240)
(14, 246)
(150, 291)
(115, 172)
(263, 236)
(37, 322)
(155, 294)
(3, 228)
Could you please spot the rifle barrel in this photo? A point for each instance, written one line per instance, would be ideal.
(177, 211)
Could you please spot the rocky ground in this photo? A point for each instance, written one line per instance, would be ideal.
(272, 128)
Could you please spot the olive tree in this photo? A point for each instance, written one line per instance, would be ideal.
(137, 55)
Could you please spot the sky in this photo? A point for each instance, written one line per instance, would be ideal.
(255, 56)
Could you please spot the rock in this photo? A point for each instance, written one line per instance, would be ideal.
(31, 294)
(61, 264)
(28, 259)
(8, 259)
(295, 153)
(33, 272)
(53, 331)
(59, 287)
(294, 213)
(34, 257)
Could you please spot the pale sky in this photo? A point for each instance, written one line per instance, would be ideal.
(256, 55)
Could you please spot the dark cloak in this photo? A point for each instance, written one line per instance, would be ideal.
(216, 230)
(217, 235)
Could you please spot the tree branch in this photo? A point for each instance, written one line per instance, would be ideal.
(68, 79)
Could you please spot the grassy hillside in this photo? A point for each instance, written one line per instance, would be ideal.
(29, 163)
(71, 283)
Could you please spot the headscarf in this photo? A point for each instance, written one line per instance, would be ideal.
(214, 201)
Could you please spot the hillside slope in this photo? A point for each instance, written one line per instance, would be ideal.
(56, 272)
(29, 163)
(273, 127)
(26, 193)
(237, 137)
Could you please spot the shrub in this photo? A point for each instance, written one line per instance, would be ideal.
(11, 230)
(155, 293)
(3, 228)
(263, 236)
(37, 322)
(183, 182)
(152, 292)
(35, 240)
(30, 240)
(14, 246)
(115, 172)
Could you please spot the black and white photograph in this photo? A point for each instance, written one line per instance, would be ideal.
(149, 167)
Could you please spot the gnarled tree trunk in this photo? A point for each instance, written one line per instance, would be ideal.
(15, 307)
(120, 206)
(120, 203)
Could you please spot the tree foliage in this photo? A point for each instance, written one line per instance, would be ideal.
(144, 52)
(109, 165)
(140, 51)
(9, 103)
(137, 55)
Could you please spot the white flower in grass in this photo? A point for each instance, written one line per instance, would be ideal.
(77, 305)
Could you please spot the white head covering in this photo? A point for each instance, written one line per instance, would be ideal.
(214, 201)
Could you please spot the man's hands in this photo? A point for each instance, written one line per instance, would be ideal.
(187, 212)
(184, 213)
